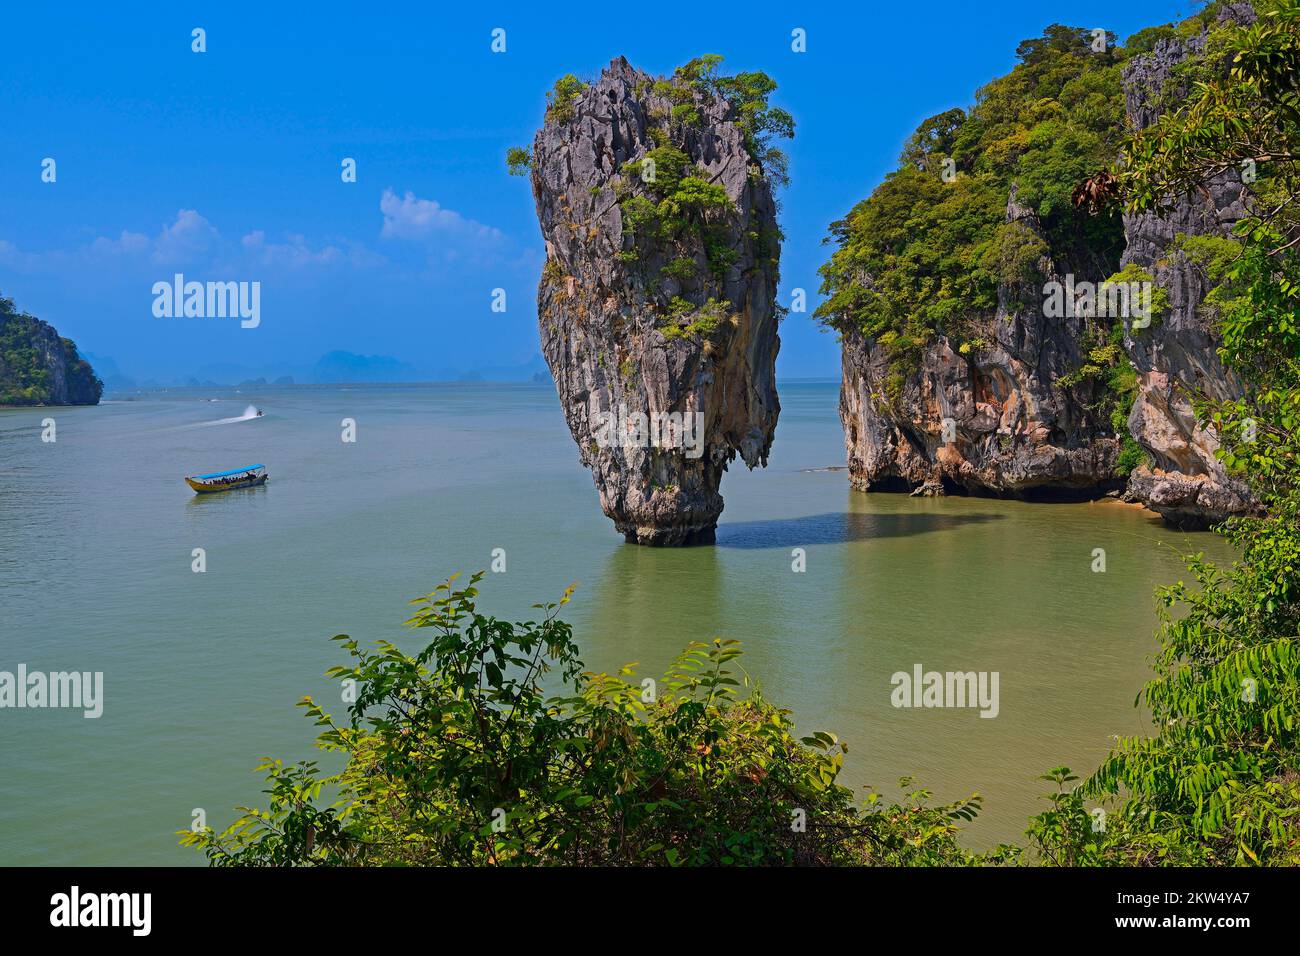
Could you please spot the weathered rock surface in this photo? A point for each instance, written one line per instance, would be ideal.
(603, 316)
(1012, 430)
(40, 367)
(1177, 355)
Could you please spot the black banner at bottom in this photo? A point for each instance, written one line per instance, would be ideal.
(396, 904)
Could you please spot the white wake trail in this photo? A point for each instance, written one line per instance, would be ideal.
(249, 412)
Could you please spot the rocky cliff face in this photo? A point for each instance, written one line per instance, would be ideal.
(656, 305)
(1177, 355)
(1011, 430)
(1018, 421)
(38, 366)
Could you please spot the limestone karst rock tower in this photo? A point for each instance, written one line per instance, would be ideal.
(657, 302)
(1185, 482)
(961, 369)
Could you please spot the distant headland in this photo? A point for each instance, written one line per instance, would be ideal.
(40, 367)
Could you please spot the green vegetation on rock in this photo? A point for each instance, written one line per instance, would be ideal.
(518, 161)
(748, 95)
(668, 207)
(925, 253)
(560, 100)
(687, 320)
(31, 353)
(680, 206)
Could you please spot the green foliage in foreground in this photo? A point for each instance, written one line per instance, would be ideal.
(455, 755)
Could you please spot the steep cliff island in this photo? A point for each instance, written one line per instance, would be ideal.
(657, 302)
(982, 293)
(38, 366)
(1182, 479)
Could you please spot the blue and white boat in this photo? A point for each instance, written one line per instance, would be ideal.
(247, 477)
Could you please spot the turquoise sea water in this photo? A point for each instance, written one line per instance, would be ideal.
(201, 671)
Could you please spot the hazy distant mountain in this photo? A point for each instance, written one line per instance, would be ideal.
(230, 374)
(341, 366)
(113, 378)
(333, 368)
(526, 372)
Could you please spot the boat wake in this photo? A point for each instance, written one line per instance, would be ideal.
(251, 412)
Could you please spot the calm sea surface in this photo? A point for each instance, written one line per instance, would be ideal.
(202, 671)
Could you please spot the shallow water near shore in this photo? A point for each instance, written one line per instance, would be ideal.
(201, 671)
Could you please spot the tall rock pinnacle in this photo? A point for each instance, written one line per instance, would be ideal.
(657, 302)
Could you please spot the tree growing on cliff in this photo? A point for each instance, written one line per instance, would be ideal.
(748, 93)
(518, 161)
(560, 99)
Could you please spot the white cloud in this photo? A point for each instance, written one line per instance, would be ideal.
(411, 217)
(297, 252)
(187, 238)
(443, 239)
(191, 240)
(14, 258)
(127, 244)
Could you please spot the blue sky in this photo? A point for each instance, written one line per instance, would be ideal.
(226, 164)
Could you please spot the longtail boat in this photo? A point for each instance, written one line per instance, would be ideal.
(246, 477)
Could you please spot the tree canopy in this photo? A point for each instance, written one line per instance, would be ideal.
(924, 254)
